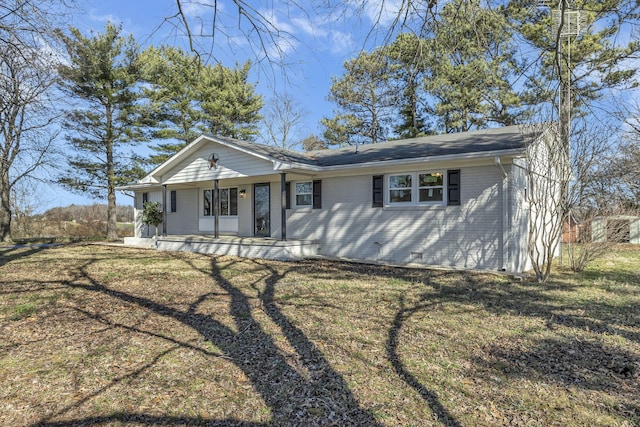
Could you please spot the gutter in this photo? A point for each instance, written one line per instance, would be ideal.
(399, 162)
(139, 186)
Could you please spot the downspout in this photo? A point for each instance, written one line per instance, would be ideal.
(506, 218)
(164, 210)
(283, 205)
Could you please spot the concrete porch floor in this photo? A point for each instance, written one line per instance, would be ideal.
(245, 247)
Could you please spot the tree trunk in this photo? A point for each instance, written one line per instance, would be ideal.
(5, 208)
(112, 225)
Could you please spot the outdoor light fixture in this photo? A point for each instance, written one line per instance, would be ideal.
(213, 160)
(242, 193)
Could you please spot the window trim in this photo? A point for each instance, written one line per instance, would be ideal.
(415, 189)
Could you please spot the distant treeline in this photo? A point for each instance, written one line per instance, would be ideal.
(88, 213)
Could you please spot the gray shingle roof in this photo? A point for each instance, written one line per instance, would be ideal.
(486, 140)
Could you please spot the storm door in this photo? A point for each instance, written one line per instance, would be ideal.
(262, 209)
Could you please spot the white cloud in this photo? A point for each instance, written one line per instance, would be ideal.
(196, 9)
(341, 42)
(383, 12)
(313, 29)
(282, 43)
(104, 18)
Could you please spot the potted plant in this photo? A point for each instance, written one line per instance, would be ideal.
(152, 215)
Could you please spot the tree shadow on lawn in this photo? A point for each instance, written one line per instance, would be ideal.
(565, 360)
(344, 271)
(430, 397)
(588, 365)
(322, 398)
(11, 253)
(568, 361)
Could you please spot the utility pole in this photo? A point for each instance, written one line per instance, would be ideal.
(567, 25)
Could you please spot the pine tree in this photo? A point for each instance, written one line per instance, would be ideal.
(229, 103)
(102, 77)
(471, 68)
(172, 76)
(365, 97)
(409, 52)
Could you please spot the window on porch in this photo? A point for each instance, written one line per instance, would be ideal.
(228, 203)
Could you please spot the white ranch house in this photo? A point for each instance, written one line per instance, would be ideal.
(455, 200)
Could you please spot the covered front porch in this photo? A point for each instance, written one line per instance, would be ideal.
(246, 247)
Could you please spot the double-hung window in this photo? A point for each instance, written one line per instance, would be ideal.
(415, 188)
(430, 187)
(303, 194)
(400, 188)
(227, 203)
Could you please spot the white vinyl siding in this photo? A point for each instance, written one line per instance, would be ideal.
(519, 212)
(231, 164)
(185, 219)
(465, 236)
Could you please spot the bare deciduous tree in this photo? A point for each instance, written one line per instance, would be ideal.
(283, 121)
(26, 115)
(548, 172)
(270, 40)
(594, 199)
(26, 79)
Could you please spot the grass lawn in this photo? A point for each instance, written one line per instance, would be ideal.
(103, 335)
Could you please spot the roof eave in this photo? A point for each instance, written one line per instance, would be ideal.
(513, 152)
(139, 186)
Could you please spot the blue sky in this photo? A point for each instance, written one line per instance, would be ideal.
(313, 45)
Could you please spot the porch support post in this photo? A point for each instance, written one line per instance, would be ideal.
(216, 209)
(283, 204)
(164, 210)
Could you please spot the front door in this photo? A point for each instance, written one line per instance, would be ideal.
(262, 209)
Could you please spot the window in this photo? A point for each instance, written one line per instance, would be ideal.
(430, 187)
(174, 201)
(303, 194)
(207, 203)
(307, 194)
(145, 198)
(400, 190)
(416, 188)
(228, 203)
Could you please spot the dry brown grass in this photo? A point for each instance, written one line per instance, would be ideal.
(101, 335)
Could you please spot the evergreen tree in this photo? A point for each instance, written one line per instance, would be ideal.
(229, 104)
(410, 53)
(172, 91)
(583, 65)
(365, 97)
(102, 76)
(471, 68)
